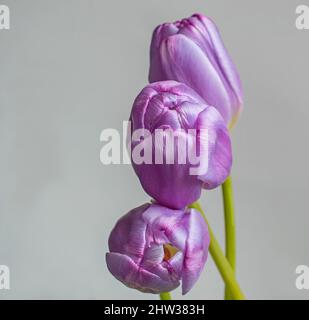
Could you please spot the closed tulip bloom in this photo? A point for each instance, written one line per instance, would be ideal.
(191, 51)
(173, 107)
(153, 248)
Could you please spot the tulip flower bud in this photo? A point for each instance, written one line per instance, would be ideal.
(187, 146)
(153, 248)
(191, 51)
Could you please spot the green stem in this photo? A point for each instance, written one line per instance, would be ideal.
(230, 233)
(165, 296)
(220, 260)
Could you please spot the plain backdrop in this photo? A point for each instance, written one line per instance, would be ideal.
(69, 69)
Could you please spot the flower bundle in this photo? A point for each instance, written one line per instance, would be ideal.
(180, 136)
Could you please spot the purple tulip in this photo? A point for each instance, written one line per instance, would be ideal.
(153, 247)
(191, 51)
(174, 107)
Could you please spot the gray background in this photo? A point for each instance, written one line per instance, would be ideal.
(69, 69)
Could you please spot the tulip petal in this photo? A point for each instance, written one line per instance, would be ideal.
(176, 262)
(156, 71)
(128, 234)
(164, 224)
(196, 249)
(153, 255)
(125, 270)
(219, 148)
(223, 58)
(184, 61)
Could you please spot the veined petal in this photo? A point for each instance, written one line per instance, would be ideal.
(196, 252)
(176, 262)
(224, 60)
(125, 270)
(156, 71)
(184, 61)
(153, 255)
(128, 235)
(219, 148)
